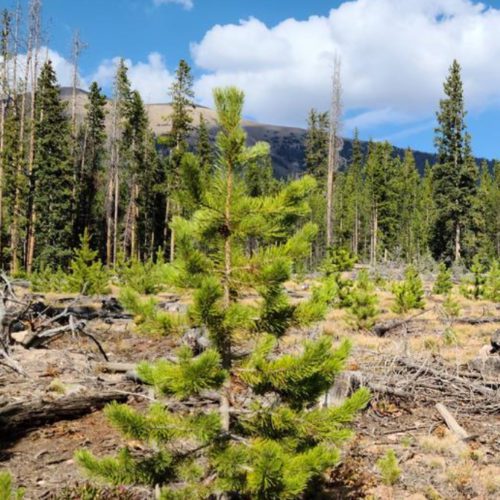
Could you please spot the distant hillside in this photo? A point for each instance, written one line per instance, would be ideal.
(287, 143)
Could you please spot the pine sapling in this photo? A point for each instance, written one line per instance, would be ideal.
(443, 283)
(492, 283)
(472, 287)
(409, 293)
(364, 303)
(389, 468)
(7, 489)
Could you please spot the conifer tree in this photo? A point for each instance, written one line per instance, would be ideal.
(261, 451)
(443, 283)
(89, 182)
(181, 120)
(204, 148)
(52, 183)
(317, 144)
(364, 303)
(454, 175)
(409, 293)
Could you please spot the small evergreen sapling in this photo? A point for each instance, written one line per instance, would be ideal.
(473, 287)
(443, 283)
(364, 303)
(389, 468)
(492, 283)
(7, 489)
(267, 438)
(409, 293)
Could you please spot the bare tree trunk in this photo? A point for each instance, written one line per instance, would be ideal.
(373, 242)
(15, 227)
(355, 239)
(335, 145)
(115, 214)
(457, 243)
(35, 34)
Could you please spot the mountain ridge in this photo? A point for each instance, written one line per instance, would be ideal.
(287, 143)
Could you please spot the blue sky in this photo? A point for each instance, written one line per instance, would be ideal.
(395, 55)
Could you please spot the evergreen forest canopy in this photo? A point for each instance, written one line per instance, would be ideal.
(61, 179)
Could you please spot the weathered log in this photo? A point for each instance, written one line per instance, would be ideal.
(452, 424)
(380, 329)
(478, 321)
(23, 416)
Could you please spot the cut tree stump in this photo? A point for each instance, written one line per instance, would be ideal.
(26, 415)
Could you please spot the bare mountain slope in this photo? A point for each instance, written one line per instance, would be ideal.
(287, 143)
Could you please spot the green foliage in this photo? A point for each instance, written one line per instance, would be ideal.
(7, 489)
(492, 282)
(144, 277)
(389, 468)
(363, 309)
(338, 260)
(148, 318)
(186, 377)
(451, 307)
(443, 283)
(408, 294)
(450, 337)
(472, 287)
(87, 274)
(52, 179)
(297, 379)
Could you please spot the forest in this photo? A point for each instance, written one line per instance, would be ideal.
(177, 322)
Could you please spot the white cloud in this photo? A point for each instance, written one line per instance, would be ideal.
(152, 78)
(187, 4)
(395, 56)
(62, 67)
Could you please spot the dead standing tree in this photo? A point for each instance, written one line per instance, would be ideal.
(334, 147)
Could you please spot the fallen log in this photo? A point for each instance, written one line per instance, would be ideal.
(27, 415)
(478, 321)
(452, 424)
(381, 329)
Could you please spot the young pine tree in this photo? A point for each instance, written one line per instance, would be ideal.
(244, 447)
(409, 293)
(363, 310)
(443, 283)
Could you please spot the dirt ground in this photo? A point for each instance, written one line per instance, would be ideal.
(434, 463)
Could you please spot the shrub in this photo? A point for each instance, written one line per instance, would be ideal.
(451, 307)
(409, 293)
(389, 468)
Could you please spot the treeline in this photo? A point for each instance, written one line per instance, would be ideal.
(106, 174)
(383, 208)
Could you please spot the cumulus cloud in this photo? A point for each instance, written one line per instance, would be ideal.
(395, 56)
(151, 78)
(187, 4)
(62, 67)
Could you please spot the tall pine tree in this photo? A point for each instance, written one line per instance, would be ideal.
(454, 175)
(52, 183)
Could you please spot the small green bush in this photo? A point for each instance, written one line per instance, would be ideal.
(145, 278)
(338, 260)
(389, 468)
